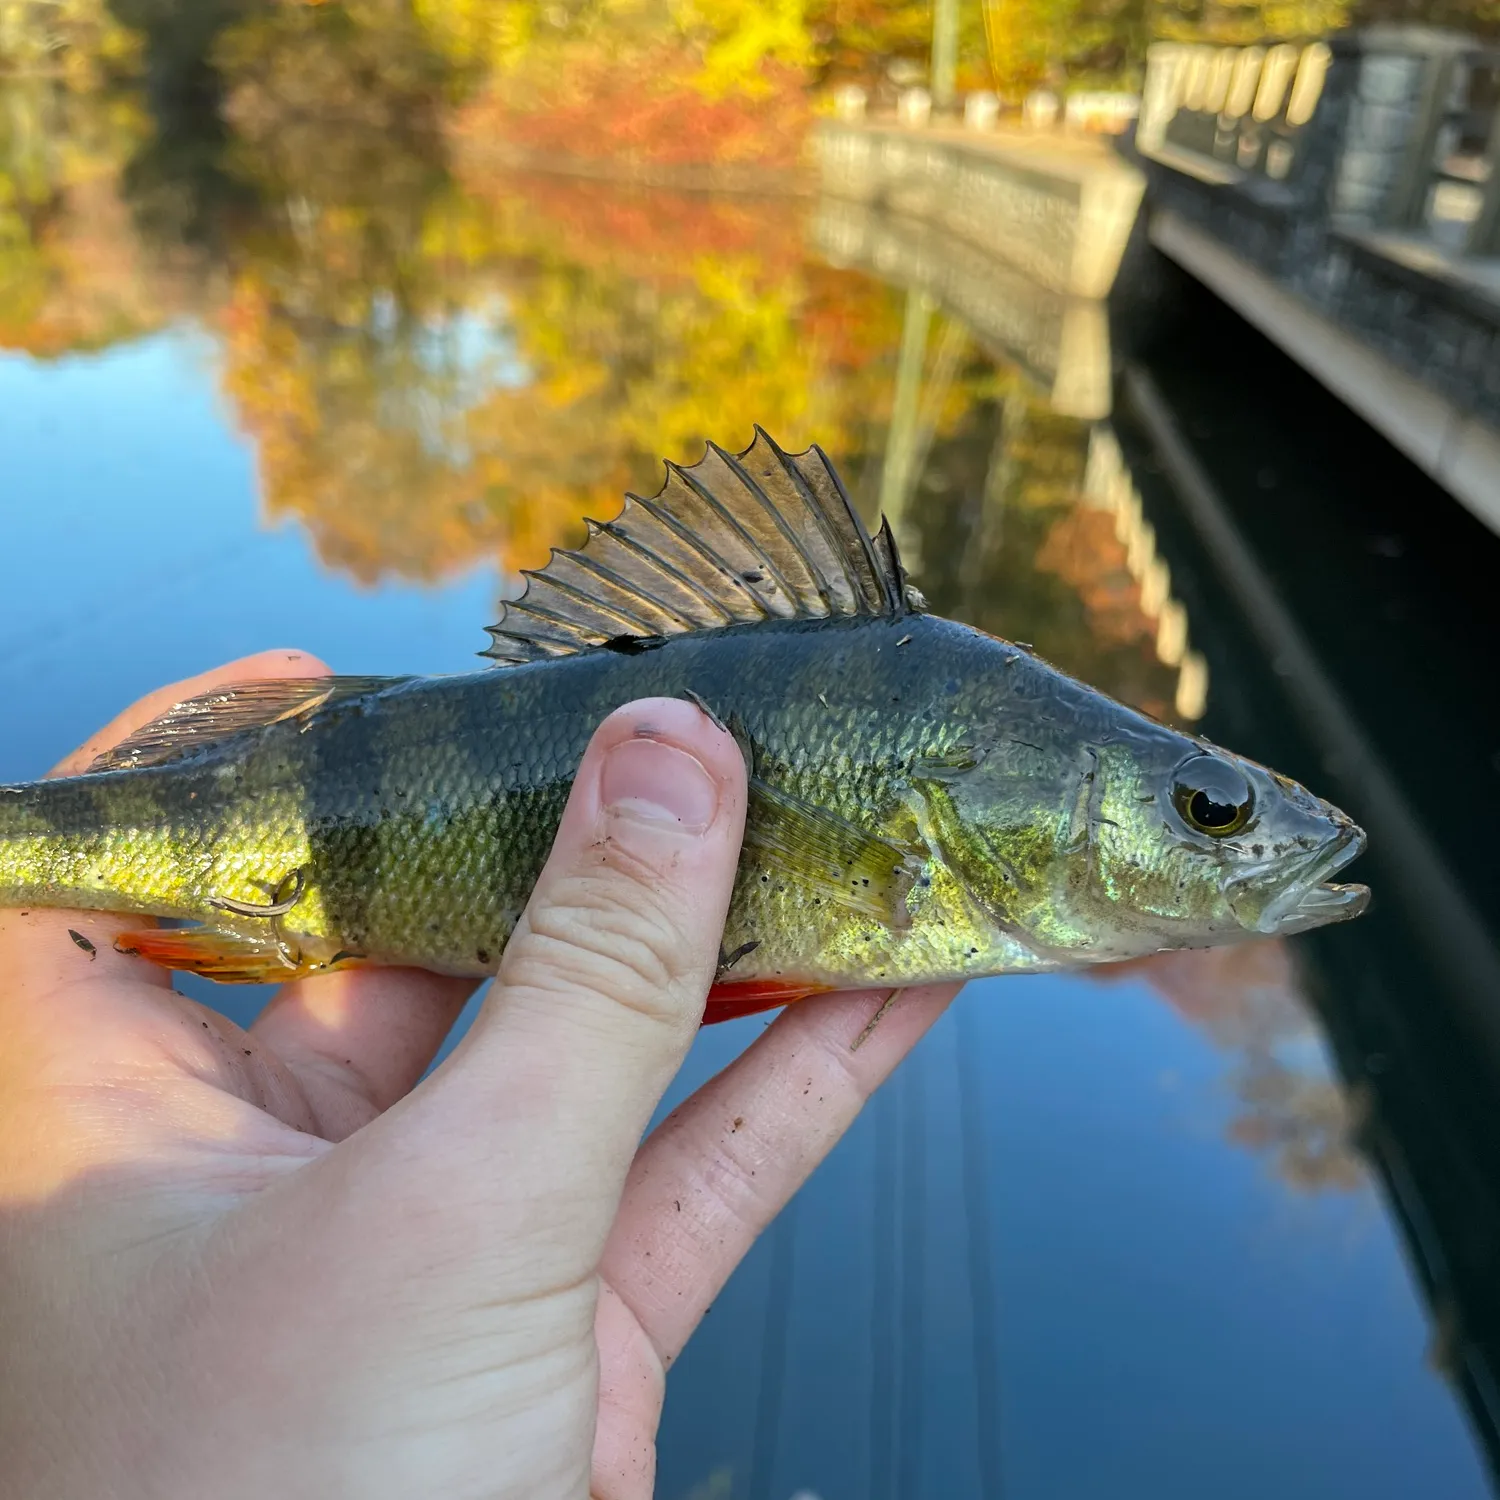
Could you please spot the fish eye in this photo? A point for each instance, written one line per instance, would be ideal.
(1212, 796)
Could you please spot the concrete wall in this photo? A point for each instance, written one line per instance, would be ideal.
(1061, 217)
(1062, 342)
(1458, 449)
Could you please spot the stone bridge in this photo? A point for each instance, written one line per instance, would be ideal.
(1344, 197)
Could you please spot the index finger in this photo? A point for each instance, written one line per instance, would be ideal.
(715, 1172)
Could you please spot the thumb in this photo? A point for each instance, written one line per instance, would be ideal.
(540, 1109)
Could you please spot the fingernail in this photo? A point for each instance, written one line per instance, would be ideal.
(657, 783)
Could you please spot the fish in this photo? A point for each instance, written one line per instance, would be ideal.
(926, 802)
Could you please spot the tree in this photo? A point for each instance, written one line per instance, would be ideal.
(1240, 22)
(1479, 17)
(1250, 1001)
(677, 81)
(70, 273)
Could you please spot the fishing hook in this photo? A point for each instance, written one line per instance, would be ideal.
(278, 907)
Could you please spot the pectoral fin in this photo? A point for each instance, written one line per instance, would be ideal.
(817, 848)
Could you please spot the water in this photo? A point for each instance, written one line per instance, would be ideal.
(1219, 1224)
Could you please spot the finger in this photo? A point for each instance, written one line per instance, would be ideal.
(720, 1168)
(357, 1040)
(599, 993)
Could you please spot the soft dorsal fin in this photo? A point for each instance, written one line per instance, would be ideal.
(732, 540)
(199, 722)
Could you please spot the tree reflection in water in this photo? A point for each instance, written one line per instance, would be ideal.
(1250, 1000)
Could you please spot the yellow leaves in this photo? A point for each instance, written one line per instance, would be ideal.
(1027, 39)
(723, 47)
(432, 373)
(1301, 18)
(1240, 22)
(71, 276)
(574, 384)
(474, 387)
(739, 38)
(76, 36)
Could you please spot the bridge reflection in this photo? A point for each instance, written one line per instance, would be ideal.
(1316, 618)
(1143, 507)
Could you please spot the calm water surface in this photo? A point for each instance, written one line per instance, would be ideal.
(1214, 1225)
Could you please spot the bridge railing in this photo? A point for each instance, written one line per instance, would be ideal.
(1239, 111)
(1409, 118)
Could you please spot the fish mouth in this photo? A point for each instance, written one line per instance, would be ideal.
(1307, 897)
(1329, 902)
(1312, 899)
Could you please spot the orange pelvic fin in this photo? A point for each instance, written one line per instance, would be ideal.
(227, 957)
(728, 1002)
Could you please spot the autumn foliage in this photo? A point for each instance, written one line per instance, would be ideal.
(596, 114)
(440, 358)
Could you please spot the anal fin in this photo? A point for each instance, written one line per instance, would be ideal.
(226, 957)
(749, 997)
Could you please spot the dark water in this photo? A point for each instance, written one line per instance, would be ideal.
(1223, 1224)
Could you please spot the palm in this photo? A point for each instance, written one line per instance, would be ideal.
(397, 1285)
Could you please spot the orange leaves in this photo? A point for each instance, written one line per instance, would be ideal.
(655, 235)
(650, 114)
(72, 277)
(637, 82)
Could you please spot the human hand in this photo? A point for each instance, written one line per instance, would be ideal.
(235, 1264)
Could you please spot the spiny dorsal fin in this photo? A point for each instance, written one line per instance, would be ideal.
(199, 722)
(732, 540)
